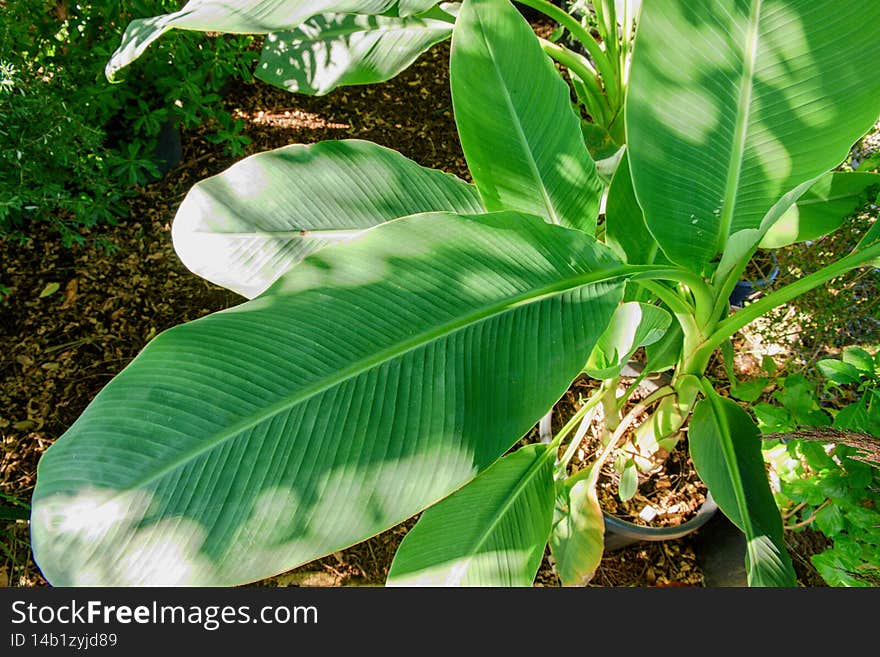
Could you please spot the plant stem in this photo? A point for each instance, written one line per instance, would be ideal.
(580, 33)
(786, 516)
(597, 103)
(693, 336)
(724, 288)
(626, 43)
(570, 451)
(727, 327)
(667, 296)
(635, 384)
(607, 20)
(589, 405)
(804, 523)
(628, 419)
(610, 407)
(575, 61)
(704, 299)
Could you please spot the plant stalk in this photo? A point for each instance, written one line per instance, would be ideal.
(597, 102)
(580, 33)
(588, 406)
(628, 419)
(727, 327)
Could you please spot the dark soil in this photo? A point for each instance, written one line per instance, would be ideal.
(74, 317)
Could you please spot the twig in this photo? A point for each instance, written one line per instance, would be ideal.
(867, 446)
(804, 523)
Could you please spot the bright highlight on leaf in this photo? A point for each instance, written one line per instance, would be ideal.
(244, 17)
(755, 98)
(334, 50)
(247, 226)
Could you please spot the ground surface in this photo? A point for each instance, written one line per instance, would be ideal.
(58, 350)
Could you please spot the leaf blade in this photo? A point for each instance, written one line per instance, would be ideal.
(822, 208)
(243, 228)
(241, 17)
(491, 532)
(519, 133)
(577, 540)
(353, 394)
(725, 446)
(758, 97)
(333, 50)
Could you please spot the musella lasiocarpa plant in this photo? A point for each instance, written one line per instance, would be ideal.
(405, 328)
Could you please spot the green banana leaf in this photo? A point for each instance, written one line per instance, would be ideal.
(520, 136)
(334, 50)
(625, 229)
(374, 379)
(725, 445)
(246, 226)
(491, 532)
(822, 208)
(666, 352)
(577, 540)
(753, 99)
(244, 17)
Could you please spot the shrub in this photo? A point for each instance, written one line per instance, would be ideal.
(72, 145)
(823, 448)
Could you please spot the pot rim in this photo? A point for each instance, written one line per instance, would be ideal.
(625, 532)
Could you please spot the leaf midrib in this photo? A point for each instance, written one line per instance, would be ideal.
(518, 127)
(728, 451)
(381, 357)
(740, 135)
(518, 490)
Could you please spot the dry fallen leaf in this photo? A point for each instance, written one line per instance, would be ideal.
(50, 288)
(70, 291)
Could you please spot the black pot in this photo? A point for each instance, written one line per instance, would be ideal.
(720, 547)
(169, 148)
(750, 290)
(620, 533)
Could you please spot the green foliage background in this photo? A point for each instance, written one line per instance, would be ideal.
(73, 147)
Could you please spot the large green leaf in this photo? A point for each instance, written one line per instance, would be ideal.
(732, 103)
(822, 208)
(374, 379)
(491, 532)
(245, 227)
(625, 229)
(244, 17)
(725, 445)
(333, 50)
(519, 133)
(577, 541)
(633, 325)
